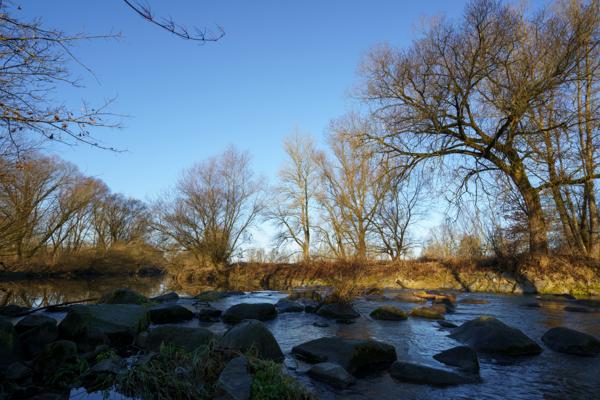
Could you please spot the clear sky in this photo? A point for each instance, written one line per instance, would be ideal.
(281, 65)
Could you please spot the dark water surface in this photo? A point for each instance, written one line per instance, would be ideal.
(549, 375)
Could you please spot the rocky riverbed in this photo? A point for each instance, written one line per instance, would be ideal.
(383, 345)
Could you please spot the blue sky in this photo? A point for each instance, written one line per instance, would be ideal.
(281, 65)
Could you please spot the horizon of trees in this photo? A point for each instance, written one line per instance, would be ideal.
(495, 115)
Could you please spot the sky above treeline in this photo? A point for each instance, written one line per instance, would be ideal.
(281, 66)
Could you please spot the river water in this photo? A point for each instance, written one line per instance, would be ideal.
(549, 375)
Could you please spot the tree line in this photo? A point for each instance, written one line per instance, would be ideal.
(494, 115)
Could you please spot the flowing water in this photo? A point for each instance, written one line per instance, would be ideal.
(550, 375)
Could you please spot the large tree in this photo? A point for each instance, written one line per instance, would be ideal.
(465, 92)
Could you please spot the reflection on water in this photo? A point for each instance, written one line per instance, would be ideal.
(549, 375)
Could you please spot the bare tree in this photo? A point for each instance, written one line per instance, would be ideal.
(213, 206)
(293, 207)
(466, 90)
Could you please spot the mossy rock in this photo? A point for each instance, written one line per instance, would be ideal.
(427, 312)
(388, 313)
(124, 296)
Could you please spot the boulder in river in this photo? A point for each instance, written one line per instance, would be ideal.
(565, 340)
(33, 321)
(186, 338)
(409, 298)
(388, 313)
(473, 300)
(338, 311)
(463, 357)
(209, 314)
(9, 344)
(287, 306)
(169, 313)
(239, 312)
(253, 335)
(490, 335)
(123, 296)
(352, 354)
(235, 382)
(446, 324)
(95, 324)
(332, 374)
(418, 373)
(428, 312)
(170, 297)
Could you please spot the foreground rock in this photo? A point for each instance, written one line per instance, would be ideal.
(123, 296)
(57, 356)
(9, 344)
(418, 373)
(332, 374)
(286, 306)
(35, 332)
(565, 340)
(462, 357)
(235, 382)
(388, 313)
(253, 335)
(92, 325)
(339, 311)
(239, 312)
(189, 339)
(169, 314)
(351, 354)
(488, 334)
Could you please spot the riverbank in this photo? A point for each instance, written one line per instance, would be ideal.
(544, 275)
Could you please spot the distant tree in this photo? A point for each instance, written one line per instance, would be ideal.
(212, 208)
(295, 195)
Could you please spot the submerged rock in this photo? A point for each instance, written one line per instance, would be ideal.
(169, 313)
(240, 312)
(577, 309)
(418, 373)
(235, 382)
(286, 306)
(446, 324)
(565, 340)
(92, 325)
(473, 300)
(488, 334)
(123, 296)
(189, 339)
(388, 313)
(332, 374)
(9, 344)
(338, 311)
(352, 354)
(166, 298)
(428, 312)
(253, 335)
(462, 357)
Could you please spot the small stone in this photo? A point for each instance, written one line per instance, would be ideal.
(427, 312)
(446, 324)
(389, 313)
(473, 300)
(332, 374)
(462, 357)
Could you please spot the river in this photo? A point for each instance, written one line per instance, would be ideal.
(550, 375)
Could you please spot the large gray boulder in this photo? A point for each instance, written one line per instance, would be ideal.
(463, 357)
(92, 325)
(565, 340)
(239, 312)
(490, 335)
(189, 339)
(418, 373)
(332, 374)
(169, 313)
(9, 343)
(352, 354)
(235, 382)
(253, 335)
(35, 332)
(340, 311)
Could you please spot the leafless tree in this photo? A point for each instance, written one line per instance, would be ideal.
(466, 90)
(213, 206)
(294, 207)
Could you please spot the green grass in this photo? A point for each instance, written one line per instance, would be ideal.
(271, 383)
